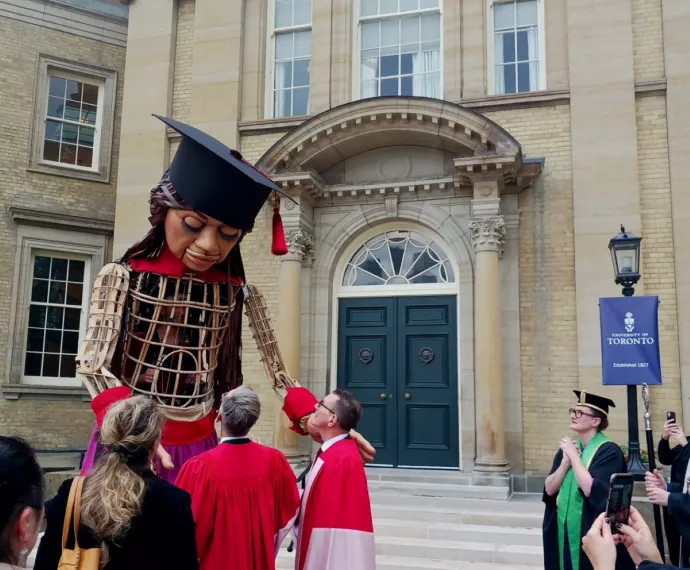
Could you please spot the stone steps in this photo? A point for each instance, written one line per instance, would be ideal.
(438, 490)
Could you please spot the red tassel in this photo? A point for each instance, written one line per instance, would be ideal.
(279, 245)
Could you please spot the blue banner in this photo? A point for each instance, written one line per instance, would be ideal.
(630, 340)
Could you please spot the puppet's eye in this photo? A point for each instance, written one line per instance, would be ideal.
(230, 237)
(192, 225)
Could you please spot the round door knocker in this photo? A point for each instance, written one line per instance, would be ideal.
(426, 355)
(366, 355)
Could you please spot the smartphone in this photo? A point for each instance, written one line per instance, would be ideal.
(620, 499)
(670, 416)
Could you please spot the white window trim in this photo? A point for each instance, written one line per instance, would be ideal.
(30, 239)
(107, 82)
(270, 58)
(357, 43)
(541, 34)
(100, 83)
(86, 294)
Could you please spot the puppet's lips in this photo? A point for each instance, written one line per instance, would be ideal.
(202, 257)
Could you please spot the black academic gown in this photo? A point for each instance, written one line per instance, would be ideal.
(607, 460)
(677, 457)
(679, 511)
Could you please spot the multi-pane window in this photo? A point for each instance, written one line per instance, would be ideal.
(516, 46)
(55, 308)
(292, 57)
(400, 43)
(72, 122)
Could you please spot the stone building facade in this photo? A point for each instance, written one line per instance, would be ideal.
(459, 167)
(61, 84)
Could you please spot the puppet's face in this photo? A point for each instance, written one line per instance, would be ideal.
(198, 240)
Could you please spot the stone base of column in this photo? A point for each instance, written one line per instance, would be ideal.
(491, 466)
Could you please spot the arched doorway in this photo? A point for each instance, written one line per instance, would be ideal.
(396, 344)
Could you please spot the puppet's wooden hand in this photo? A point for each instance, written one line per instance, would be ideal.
(366, 451)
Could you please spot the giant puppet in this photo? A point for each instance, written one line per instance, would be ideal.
(165, 319)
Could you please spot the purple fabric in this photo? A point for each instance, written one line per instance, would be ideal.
(90, 457)
(180, 454)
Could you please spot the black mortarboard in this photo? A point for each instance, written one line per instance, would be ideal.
(595, 402)
(214, 180)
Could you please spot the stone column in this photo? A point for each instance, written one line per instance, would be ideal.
(289, 331)
(488, 234)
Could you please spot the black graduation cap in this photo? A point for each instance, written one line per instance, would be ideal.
(595, 402)
(214, 180)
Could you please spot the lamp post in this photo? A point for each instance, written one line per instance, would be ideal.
(625, 254)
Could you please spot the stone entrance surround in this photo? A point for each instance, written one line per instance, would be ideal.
(452, 174)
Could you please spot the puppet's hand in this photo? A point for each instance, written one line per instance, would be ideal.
(164, 456)
(366, 451)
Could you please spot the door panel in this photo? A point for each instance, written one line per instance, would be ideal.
(427, 379)
(367, 368)
(398, 356)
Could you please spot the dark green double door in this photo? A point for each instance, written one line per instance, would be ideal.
(398, 356)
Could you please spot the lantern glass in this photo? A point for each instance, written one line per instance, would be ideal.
(625, 254)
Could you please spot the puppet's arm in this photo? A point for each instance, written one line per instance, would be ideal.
(105, 324)
(300, 401)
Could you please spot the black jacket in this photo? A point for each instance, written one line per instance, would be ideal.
(161, 536)
(677, 458)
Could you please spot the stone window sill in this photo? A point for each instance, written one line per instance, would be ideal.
(68, 172)
(15, 391)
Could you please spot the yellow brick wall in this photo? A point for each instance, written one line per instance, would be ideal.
(648, 41)
(548, 332)
(55, 423)
(184, 56)
(658, 272)
(262, 269)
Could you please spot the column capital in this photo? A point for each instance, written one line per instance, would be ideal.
(488, 233)
(300, 244)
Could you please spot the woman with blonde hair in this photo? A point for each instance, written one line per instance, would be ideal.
(138, 520)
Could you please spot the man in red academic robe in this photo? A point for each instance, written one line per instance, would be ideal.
(335, 529)
(244, 495)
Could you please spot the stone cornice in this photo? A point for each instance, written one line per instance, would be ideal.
(488, 233)
(42, 218)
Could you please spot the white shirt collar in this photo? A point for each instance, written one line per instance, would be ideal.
(326, 444)
(230, 438)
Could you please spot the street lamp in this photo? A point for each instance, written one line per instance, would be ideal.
(625, 254)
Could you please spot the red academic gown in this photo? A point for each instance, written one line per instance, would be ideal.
(244, 502)
(336, 531)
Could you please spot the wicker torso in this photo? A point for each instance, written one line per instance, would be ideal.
(173, 332)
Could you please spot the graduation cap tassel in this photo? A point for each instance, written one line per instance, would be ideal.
(279, 245)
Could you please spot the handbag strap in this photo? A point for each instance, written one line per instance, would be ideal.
(68, 510)
(77, 510)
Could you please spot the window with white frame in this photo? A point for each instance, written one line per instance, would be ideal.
(73, 120)
(291, 57)
(400, 48)
(57, 302)
(516, 46)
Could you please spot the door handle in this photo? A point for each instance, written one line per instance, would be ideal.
(407, 396)
(383, 396)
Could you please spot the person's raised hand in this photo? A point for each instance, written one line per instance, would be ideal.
(678, 433)
(569, 449)
(565, 462)
(637, 538)
(668, 427)
(599, 545)
(165, 459)
(654, 480)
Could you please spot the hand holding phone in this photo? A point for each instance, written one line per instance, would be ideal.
(670, 416)
(620, 499)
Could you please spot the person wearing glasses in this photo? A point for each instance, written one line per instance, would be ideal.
(576, 490)
(335, 528)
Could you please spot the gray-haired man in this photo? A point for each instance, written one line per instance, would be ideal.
(243, 494)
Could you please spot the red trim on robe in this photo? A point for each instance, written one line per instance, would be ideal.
(184, 433)
(336, 528)
(167, 264)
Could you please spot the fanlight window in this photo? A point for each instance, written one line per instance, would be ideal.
(398, 258)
